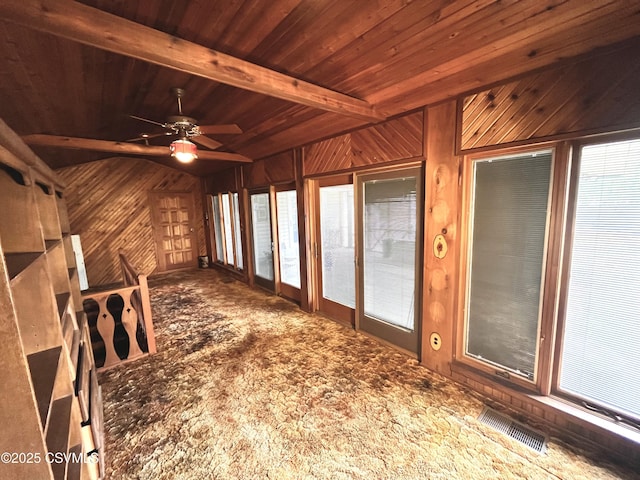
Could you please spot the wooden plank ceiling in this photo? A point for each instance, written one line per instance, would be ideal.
(393, 56)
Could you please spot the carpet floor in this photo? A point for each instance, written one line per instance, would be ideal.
(247, 386)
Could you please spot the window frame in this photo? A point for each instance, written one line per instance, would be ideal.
(541, 383)
(558, 246)
(233, 264)
(563, 274)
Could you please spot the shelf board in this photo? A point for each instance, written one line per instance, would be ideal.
(75, 347)
(72, 271)
(17, 262)
(74, 470)
(43, 367)
(57, 436)
(95, 409)
(62, 299)
(49, 244)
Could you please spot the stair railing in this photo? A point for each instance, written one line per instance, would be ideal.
(134, 316)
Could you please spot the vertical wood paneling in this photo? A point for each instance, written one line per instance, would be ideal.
(108, 208)
(275, 169)
(595, 95)
(441, 218)
(224, 181)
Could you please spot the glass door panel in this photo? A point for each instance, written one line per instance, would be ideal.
(238, 233)
(215, 207)
(288, 243)
(228, 231)
(337, 249)
(262, 243)
(389, 242)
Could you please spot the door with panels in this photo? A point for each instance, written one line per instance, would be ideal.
(172, 216)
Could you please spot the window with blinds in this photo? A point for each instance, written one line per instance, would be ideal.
(601, 341)
(226, 229)
(217, 228)
(509, 216)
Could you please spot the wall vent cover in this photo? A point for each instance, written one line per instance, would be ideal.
(523, 434)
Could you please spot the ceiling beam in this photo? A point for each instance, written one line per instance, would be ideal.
(90, 26)
(124, 148)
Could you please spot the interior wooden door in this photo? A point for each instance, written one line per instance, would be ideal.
(172, 216)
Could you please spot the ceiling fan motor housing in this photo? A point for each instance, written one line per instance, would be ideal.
(183, 125)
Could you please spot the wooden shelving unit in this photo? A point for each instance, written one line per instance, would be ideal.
(50, 403)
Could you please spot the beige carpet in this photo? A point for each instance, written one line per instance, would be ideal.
(246, 386)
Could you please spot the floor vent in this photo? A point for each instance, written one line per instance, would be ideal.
(523, 434)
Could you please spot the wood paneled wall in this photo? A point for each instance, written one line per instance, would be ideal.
(396, 139)
(229, 180)
(596, 95)
(108, 208)
(441, 233)
(271, 170)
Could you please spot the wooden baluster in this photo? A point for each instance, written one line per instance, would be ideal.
(106, 325)
(130, 324)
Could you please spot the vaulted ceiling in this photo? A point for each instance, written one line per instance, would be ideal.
(287, 72)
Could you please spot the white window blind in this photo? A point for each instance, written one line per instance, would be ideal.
(338, 250)
(238, 239)
(508, 229)
(228, 231)
(601, 343)
(288, 242)
(261, 225)
(389, 250)
(217, 227)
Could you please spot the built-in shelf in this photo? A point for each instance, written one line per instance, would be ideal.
(74, 471)
(95, 409)
(62, 300)
(43, 367)
(17, 262)
(43, 341)
(49, 244)
(57, 437)
(74, 350)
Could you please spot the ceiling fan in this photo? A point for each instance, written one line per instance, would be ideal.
(186, 128)
(182, 149)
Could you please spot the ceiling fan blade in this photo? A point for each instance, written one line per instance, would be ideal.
(231, 128)
(206, 142)
(148, 121)
(122, 147)
(146, 136)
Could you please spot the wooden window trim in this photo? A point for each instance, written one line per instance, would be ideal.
(553, 240)
(566, 250)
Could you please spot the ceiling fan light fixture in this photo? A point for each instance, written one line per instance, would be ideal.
(183, 150)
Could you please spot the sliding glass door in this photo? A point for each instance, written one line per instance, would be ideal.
(389, 238)
(335, 249)
(262, 240)
(288, 242)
